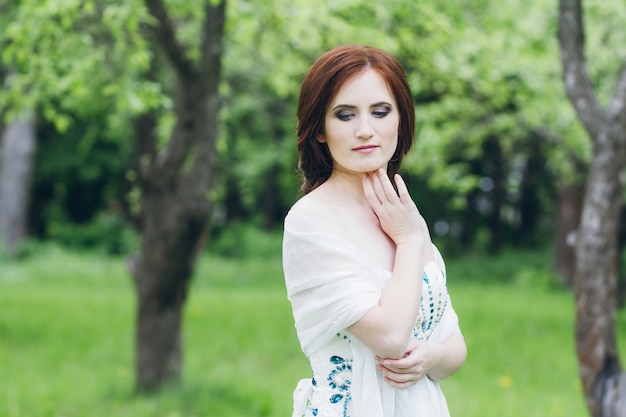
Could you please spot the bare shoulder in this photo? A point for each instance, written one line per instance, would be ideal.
(316, 204)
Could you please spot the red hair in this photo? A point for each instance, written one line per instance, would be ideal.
(320, 85)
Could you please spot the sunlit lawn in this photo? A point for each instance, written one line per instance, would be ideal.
(66, 340)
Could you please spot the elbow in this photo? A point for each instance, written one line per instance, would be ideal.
(387, 338)
(454, 354)
(460, 351)
(462, 356)
(457, 360)
(392, 346)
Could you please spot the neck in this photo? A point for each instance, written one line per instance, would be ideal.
(347, 187)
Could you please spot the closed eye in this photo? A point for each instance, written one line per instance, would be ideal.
(380, 113)
(344, 115)
(346, 112)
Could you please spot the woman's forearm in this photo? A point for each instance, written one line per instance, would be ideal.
(453, 353)
(386, 328)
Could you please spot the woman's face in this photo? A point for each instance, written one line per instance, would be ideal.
(361, 125)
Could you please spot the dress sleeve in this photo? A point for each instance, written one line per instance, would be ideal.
(449, 323)
(330, 282)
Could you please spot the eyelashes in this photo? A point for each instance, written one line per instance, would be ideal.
(345, 116)
(378, 113)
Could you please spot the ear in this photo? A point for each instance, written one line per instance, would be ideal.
(321, 138)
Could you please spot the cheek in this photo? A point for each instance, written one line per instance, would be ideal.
(393, 133)
(336, 131)
(393, 130)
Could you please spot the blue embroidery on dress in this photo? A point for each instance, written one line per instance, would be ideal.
(431, 309)
(338, 380)
(432, 306)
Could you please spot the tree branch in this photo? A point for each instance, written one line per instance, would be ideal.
(580, 165)
(577, 82)
(196, 99)
(210, 68)
(171, 159)
(618, 101)
(166, 38)
(211, 49)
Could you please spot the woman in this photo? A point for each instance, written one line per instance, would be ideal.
(367, 286)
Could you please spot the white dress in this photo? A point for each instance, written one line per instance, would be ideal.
(331, 283)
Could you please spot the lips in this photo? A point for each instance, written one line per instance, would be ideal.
(365, 148)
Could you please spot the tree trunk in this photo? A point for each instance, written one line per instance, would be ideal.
(18, 149)
(175, 209)
(533, 176)
(568, 218)
(497, 171)
(596, 286)
(595, 282)
(621, 275)
(171, 236)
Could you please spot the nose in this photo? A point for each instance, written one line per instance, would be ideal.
(364, 130)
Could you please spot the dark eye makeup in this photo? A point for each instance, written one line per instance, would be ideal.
(379, 111)
(344, 115)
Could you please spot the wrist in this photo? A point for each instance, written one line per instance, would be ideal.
(409, 241)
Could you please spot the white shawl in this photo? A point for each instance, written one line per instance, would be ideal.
(331, 284)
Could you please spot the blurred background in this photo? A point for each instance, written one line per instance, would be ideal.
(91, 100)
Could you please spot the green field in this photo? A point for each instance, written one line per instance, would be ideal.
(66, 340)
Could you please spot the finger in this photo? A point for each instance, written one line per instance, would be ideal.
(400, 370)
(379, 187)
(370, 193)
(402, 363)
(400, 384)
(416, 365)
(387, 187)
(399, 378)
(403, 191)
(395, 376)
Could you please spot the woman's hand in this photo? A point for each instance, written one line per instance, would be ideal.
(435, 360)
(386, 327)
(417, 362)
(398, 215)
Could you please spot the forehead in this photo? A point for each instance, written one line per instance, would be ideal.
(365, 87)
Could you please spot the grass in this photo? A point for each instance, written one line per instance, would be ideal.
(66, 340)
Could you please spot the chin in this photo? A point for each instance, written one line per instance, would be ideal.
(374, 168)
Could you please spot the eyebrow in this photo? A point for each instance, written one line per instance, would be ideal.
(351, 106)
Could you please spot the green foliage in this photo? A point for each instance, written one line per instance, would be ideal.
(606, 53)
(76, 56)
(244, 240)
(106, 232)
(495, 72)
(78, 182)
(517, 268)
(480, 71)
(66, 337)
(80, 64)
